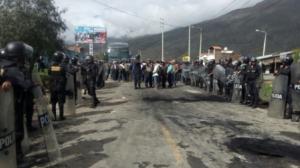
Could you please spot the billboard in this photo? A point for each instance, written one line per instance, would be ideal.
(88, 34)
(186, 58)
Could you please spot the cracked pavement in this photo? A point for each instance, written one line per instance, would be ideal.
(182, 127)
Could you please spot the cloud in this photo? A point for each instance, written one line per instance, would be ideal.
(141, 17)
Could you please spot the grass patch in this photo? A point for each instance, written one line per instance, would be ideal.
(266, 92)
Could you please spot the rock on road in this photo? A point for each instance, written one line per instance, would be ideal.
(182, 127)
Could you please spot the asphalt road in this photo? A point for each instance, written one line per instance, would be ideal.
(182, 127)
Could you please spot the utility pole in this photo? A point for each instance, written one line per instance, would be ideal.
(265, 40)
(189, 42)
(91, 45)
(265, 44)
(200, 43)
(162, 24)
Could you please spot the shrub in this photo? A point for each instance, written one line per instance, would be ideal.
(266, 92)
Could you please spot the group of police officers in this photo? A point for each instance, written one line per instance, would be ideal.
(67, 76)
(84, 75)
(226, 76)
(241, 80)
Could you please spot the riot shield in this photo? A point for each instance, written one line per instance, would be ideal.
(26, 141)
(197, 76)
(277, 104)
(237, 90)
(207, 83)
(295, 90)
(193, 77)
(49, 135)
(202, 77)
(186, 75)
(70, 99)
(219, 73)
(215, 87)
(79, 87)
(8, 156)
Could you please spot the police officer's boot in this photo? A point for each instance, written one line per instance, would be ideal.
(61, 112)
(95, 102)
(20, 155)
(296, 116)
(54, 111)
(288, 112)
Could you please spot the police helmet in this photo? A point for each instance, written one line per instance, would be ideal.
(89, 59)
(58, 56)
(236, 63)
(253, 59)
(74, 60)
(288, 60)
(246, 60)
(18, 51)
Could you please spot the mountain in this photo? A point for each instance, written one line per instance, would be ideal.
(235, 30)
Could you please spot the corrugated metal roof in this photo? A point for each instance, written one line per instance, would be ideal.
(274, 55)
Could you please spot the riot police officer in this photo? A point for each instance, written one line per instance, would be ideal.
(210, 67)
(74, 70)
(58, 80)
(229, 70)
(16, 55)
(91, 72)
(101, 74)
(243, 78)
(253, 74)
(285, 69)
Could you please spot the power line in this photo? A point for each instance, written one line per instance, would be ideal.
(225, 8)
(126, 12)
(135, 15)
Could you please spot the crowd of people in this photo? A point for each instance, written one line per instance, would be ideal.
(154, 74)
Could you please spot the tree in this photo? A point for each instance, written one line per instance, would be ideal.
(35, 22)
(296, 54)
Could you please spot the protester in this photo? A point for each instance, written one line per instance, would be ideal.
(148, 74)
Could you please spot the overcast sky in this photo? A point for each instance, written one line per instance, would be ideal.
(141, 17)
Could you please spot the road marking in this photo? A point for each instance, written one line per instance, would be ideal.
(173, 145)
(194, 91)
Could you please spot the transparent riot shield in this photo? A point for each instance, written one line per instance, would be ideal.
(49, 135)
(277, 104)
(295, 90)
(237, 90)
(70, 99)
(192, 77)
(202, 78)
(219, 73)
(215, 87)
(26, 140)
(79, 86)
(186, 74)
(8, 157)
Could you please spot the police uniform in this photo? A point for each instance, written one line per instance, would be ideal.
(74, 70)
(16, 55)
(285, 69)
(91, 70)
(253, 73)
(57, 74)
(243, 78)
